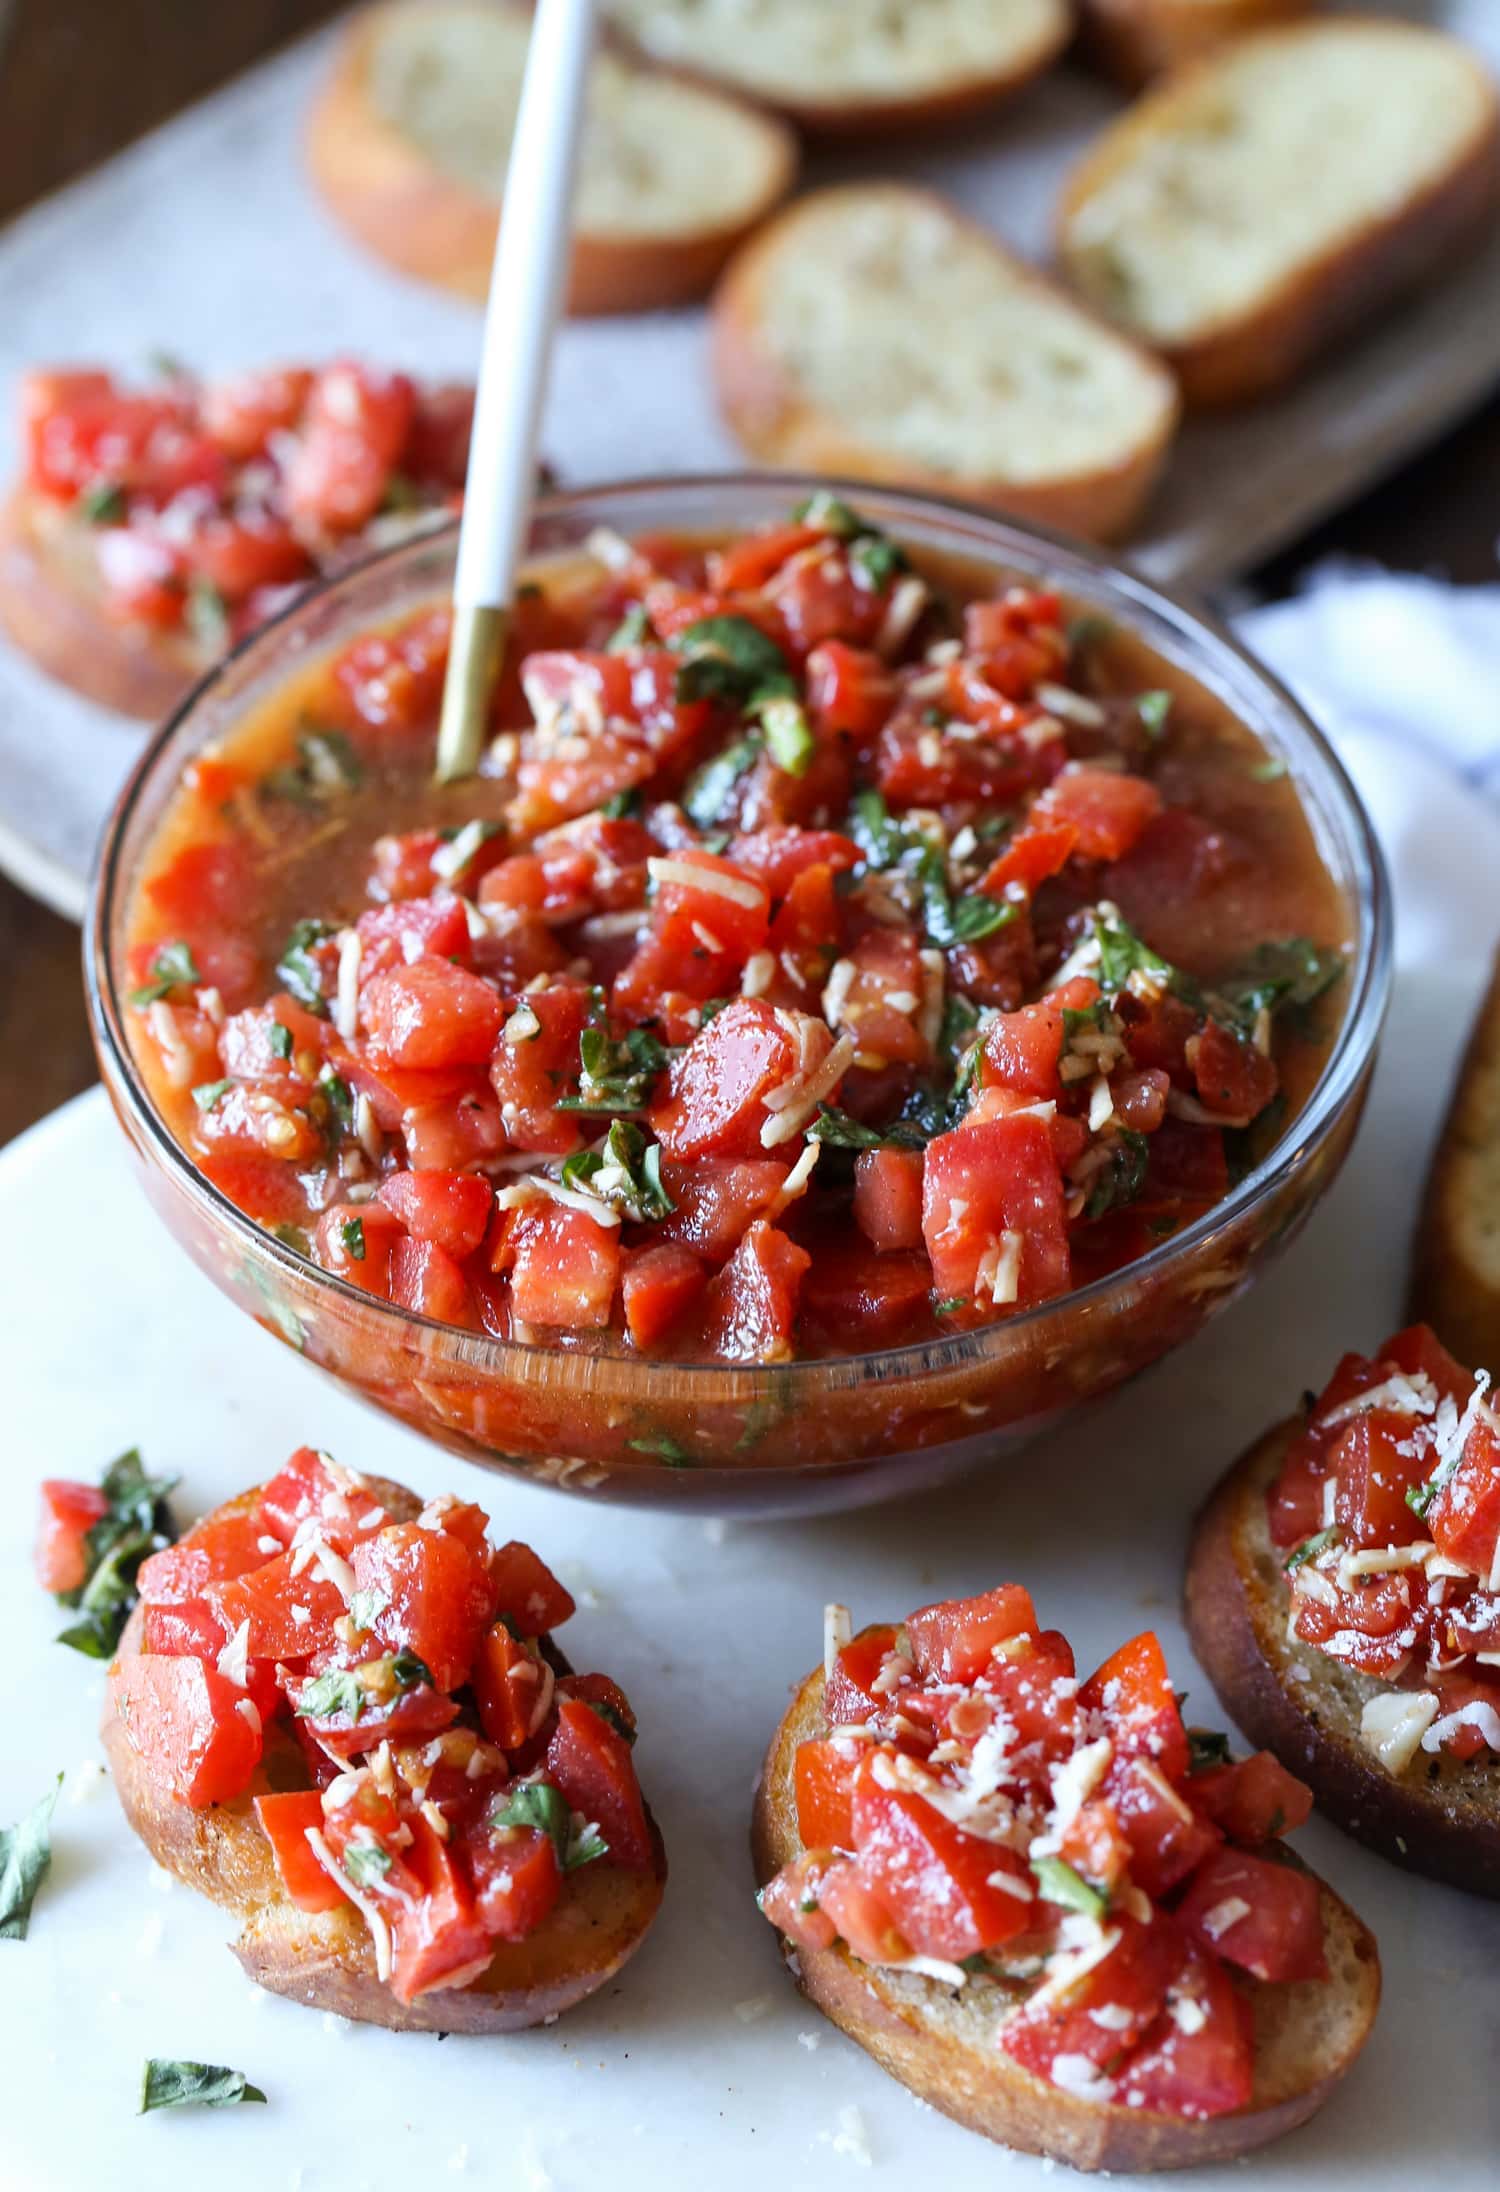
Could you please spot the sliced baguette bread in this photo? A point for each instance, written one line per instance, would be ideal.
(410, 138)
(860, 64)
(942, 2042)
(1138, 39)
(871, 330)
(1456, 1270)
(1254, 208)
(1438, 1815)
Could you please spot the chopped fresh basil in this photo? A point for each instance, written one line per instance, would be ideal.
(730, 659)
(138, 1522)
(326, 766)
(208, 1093)
(631, 631)
(614, 1076)
(626, 1173)
(829, 515)
(975, 916)
(461, 846)
(366, 1608)
(366, 1863)
(612, 1718)
(298, 971)
(172, 968)
(1207, 1747)
(168, 2084)
(1419, 1497)
(1310, 1548)
(663, 1448)
(207, 614)
(25, 1857)
(1123, 953)
(352, 1234)
(586, 1847)
(1060, 1883)
(338, 1691)
(340, 1097)
(789, 738)
(1088, 630)
(103, 504)
(408, 1672)
(539, 1805)
(1270, 771)
(949, 1303)
(709, 791)
(877, 558)
(623, 804)
(1288, 974)
(838, 1131)
(280, 1039)
(1153, 710)
(879, 836)
(1120, 1180)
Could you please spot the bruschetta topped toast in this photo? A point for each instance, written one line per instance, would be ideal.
(153, 528)
(1046, 1907)
(1343, 1594)
(340, 1713)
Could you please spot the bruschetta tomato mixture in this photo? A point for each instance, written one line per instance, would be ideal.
(978, 1815)
(1387, 1511)
(452, 1777)
(830, 955)
(203, 505)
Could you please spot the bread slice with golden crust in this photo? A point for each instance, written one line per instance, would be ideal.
(1455, 1283)
(1439, 1815)
(873, 331)
(1135, 40)
(409, 141)
(326, 1960)
(942, 2042)
(861, 65)
(1260, 204)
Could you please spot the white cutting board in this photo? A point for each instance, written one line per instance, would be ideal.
(206, 240)
(701, 2065)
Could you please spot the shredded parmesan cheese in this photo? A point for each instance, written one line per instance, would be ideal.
(838, 1628)
(380, 1932)
(346, 1001)
(735, 888)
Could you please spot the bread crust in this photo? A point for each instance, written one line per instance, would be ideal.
(1455, 1284)
(1135, 40)
(775, 421)
(1256, 351)
(50, 607)
(897, 2019)
(1441, 1817)
(431, 225)
(325, 1959)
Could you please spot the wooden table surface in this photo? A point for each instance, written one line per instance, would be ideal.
(81, 78)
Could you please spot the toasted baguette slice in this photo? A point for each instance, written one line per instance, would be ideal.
(1138, 39)
(326, 1960)
(410, 138)
(872, 330)
(862, 64)
(942, 2043)
(1439, 1816)
(1456, 1275)
(1256, 207)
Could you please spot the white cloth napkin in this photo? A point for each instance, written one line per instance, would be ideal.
(1403, 674)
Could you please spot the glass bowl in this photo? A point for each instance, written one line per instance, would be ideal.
(790, 1437)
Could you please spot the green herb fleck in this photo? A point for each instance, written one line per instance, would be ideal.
(280, 1040)
(665, 1449)
(1153, 710)
(789, 738)
(625, 1173)
(25, 1858)
(1060, 1883)
(366, 1863)
(539, 1805)
(298, 971)
(1207, 1747)
(172, 968)
(207, 615)
(1310, 1548)
(632, 630)
(352, 1234)
(167, 2084)
(208, 1093)
(103, 504)
(338, 1691)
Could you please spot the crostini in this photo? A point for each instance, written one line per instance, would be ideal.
(1455, 1284)
(1342, 1597)
(862, 66)
(1258, 205)
(340, 1714)
(410, 139)
(153, 528)
(1043, 1905)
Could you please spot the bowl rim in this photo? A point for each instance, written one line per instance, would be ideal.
(1369, 977)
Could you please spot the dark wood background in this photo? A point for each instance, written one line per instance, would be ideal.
(81, 78)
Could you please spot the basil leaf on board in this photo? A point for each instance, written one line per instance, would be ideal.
(138, 1522)
(25, 1859)
(169, 2084)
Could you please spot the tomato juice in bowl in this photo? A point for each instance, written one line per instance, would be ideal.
(894, 976)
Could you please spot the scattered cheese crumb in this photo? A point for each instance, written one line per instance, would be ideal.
(810, 2040)
(750, 2011)
(851, 2138)
(85, 1780)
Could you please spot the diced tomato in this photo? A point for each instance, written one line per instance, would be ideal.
(257, 1122)
(1233, 1077)
(435, 1597)
(410, 1716)
(1107, 809)
(433, 1014)
(1265, 1917)
(790, 1901)
(353, 430)
(69, 1512)
(715, 1201)
(1198, 2059)
(411, 929)
(850, 690)
(83, 432)
(859, 1916)
(185, 1627)
(1022, 1049)
(855, 1291)
(939, 1883)
(823, 1775)
(393, 680)
(889, 1197)
(252, 1050)
(1134, 1692)
(1419, 1352)
(1038, 851)
(229, 1543)
(1294, 1503)
(1107, 2009)
(308, 1485)
(1253, 1800)
(243, 410)
(1020, 635)
(1478, 1704)
(701, 934)
(437, 446)
(954, 1640)
(563, 1264)
(426, 1280)
(716, 1090)
(658, 1288)
(290, 1615)
(1093, 1844)
(1464, 1519)
(527, 1592)
(182, 1716)
(1374, 1476)
(745, 565)
(238, 555)
(507, 1687)
(1167, 1837)
(437, 1939)
(285, 1820)
(532, 1074)
(881, 1004)
(517, 1879)
(850, 1697)
(450, 1209)
(356, 1241)
(1369, 1626)
(1035, 1690)
(589, 1761)
(992, 1213)
(780, 853)
(751, 1305)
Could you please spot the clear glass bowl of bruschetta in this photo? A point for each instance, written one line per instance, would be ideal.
(894, 976)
